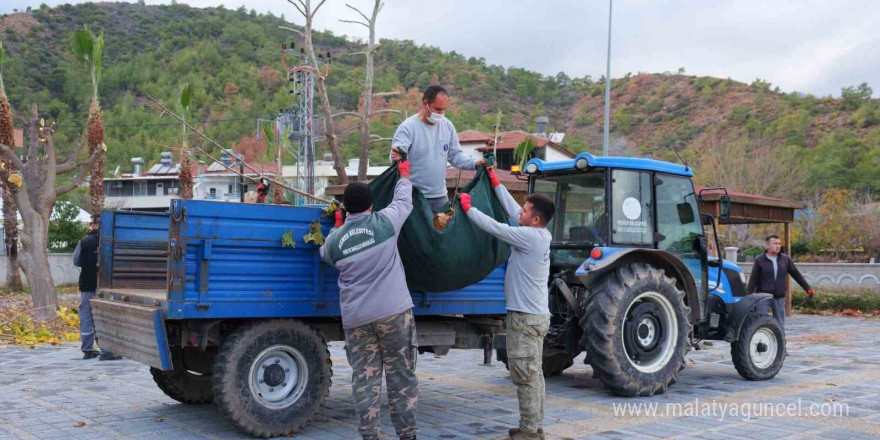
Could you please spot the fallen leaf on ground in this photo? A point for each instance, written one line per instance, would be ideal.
(79, 424)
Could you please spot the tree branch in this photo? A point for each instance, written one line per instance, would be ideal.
(348, 114)
(70, 164)
(10, 156)
(356, 22)
(387, 110)
(361, 83)
(196, 131)
(358, 11)
(80, 175)
(296, 31)
(383, 94)
(298, 9)
(315, 11)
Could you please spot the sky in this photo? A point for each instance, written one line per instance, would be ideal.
(808, 46)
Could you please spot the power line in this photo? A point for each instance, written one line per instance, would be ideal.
(163, 123)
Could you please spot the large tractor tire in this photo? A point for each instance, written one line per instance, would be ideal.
(636, 330)
(184, 384)
(270, 378)
(759, 351)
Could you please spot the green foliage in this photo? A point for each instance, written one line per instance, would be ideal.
(838, 299)
(622, 120)
(88, 50)
(852, 97)
(523, 152)
(739, 114)
(287, 239)
(314, 236)
(64, 231)
(866, 116)
(843, 160)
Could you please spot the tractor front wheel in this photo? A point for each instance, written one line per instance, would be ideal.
(759, 350)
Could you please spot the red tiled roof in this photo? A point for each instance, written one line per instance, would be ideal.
(466, 176)
(475, 136)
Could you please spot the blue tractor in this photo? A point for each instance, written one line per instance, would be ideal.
(632, 282)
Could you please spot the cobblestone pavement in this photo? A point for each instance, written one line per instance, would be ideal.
(834, 366)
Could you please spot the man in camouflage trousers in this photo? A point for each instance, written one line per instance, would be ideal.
(376, 306)
(525, 290)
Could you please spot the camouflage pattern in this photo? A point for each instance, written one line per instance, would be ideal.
(525, 347)
(387, 344)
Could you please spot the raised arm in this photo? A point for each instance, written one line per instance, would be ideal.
(511, 208)
(401, 205)
(402, 140)
(517, 237)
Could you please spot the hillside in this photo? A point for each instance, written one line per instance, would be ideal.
(750, 137)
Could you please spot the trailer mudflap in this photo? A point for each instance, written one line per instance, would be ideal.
(133, 331)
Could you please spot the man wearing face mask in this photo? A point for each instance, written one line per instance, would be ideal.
(430, 140)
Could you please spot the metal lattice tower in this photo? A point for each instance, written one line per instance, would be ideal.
(305, 127)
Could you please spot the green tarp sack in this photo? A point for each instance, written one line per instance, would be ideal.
(460, 255)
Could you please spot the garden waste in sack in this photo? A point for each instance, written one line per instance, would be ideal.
(459, 255)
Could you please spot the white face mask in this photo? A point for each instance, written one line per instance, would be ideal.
(435, 118)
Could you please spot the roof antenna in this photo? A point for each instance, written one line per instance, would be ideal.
(686, 167)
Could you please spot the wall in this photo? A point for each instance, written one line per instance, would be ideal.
(63, 270)
(834, 274)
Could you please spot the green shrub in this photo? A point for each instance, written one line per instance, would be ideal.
(837, 299)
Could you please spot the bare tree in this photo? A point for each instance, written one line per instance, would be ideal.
(33, 188)
(367, 112)
(305, 9)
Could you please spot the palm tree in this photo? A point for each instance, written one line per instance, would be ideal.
(87, 50)
(10, 211)
(184, 99)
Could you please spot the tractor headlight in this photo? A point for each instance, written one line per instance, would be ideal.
(581, 163)
(531, 168)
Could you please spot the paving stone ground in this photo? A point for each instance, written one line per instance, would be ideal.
(834, 366)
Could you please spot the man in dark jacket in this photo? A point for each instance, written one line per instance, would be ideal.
(86, 258)
(770, 272)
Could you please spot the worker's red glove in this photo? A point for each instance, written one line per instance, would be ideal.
(811, 292)
(338, 217)
(465, 200)
(493, 178)
(403, 168)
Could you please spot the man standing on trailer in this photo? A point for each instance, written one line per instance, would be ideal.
(525, 290)
(376, 305)
(429, 141)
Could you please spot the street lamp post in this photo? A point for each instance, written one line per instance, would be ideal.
(607, 87)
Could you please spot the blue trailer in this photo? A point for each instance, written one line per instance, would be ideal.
(208, 296)
(211, 300)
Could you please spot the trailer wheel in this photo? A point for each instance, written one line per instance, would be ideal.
(270, 378)
(183, 384)
(636, 330)
(759, 351)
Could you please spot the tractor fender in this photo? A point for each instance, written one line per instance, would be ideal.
(741, 310)
(592, 270)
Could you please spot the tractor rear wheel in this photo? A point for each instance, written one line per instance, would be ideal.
(636, 330)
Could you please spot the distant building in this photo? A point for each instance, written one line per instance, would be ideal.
(547, 145)
(325, 174)
(217, 182)
(152, 190)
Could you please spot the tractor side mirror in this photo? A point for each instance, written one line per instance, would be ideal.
(685, 213)
(724, 205)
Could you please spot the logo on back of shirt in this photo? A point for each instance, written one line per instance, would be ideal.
(445, 148)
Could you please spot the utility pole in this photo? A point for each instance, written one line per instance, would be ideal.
(607, 87)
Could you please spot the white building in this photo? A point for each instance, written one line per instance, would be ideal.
(325, 174)
(152, 190)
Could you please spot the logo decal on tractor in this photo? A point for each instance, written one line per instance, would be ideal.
(632, 209)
